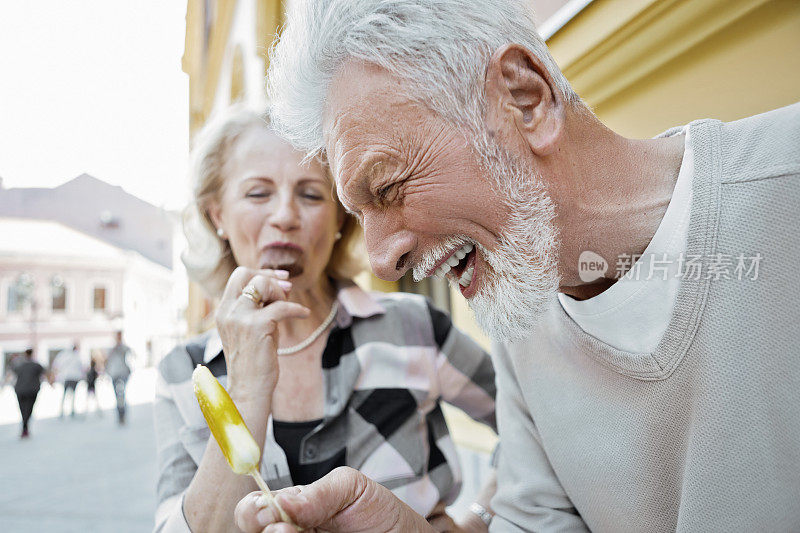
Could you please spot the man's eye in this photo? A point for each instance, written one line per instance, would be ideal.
(385, 192)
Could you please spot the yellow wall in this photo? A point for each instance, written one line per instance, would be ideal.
(647, 65)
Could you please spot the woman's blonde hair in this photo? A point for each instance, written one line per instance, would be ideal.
(208, 257)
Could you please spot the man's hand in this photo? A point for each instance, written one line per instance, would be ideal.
(344, 500)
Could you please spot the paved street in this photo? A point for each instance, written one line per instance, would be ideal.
(79, 475)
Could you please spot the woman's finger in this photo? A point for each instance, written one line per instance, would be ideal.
(262, 290)
(236, 282)
(240, 277)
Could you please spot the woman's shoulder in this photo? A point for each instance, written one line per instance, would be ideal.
(394, 300)
(413, 306)
(179, 363)
(416, 312)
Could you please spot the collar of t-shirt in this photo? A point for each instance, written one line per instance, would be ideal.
(633, 314)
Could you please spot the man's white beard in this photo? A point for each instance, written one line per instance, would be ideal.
(524, 266)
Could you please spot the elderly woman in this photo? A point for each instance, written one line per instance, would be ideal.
(324, 374)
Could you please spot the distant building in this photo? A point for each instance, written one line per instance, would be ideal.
(81, 261)
(101, 210)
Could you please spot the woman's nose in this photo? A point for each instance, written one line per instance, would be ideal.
(285, 215)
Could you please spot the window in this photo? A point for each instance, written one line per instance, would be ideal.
(9, 356)
(100, 300)
(58, 293)
(15, 300)
(19, 292)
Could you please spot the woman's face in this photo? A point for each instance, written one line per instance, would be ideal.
(275, 211)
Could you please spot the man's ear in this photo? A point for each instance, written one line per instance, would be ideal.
(521, 98)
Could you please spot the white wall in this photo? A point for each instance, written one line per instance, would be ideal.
(143, 299)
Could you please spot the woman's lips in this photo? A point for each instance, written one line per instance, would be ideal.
(285, 245)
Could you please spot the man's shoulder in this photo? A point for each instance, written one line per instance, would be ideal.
(762, 146)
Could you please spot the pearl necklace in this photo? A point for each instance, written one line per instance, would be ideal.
(314, 335)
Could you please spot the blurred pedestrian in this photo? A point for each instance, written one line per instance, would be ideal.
(29, 375)
(69, 371)
(119, 371)
(91, 379)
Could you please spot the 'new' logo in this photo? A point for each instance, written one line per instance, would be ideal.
(591, 266)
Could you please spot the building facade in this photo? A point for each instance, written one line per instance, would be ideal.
(84, 260)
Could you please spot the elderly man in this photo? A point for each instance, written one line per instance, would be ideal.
(649, 374)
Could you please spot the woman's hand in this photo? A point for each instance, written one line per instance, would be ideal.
(249, 330)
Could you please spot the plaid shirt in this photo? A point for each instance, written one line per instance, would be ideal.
(389, 361)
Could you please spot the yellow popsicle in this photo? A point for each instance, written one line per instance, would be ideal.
(225, 422)
(229, 430)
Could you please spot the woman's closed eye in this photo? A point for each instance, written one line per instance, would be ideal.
(258, 193)
(311, 195)
(310, 191)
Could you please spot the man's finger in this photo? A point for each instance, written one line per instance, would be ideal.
(279, 528)
(320, 502)
(246, 511)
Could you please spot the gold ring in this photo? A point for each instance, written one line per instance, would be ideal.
(252, 293)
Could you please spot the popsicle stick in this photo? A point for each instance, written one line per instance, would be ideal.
(254, 473)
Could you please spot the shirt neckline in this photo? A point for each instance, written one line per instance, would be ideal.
(691, 297)
(617, 315)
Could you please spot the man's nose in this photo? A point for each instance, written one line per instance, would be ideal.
(389, 247)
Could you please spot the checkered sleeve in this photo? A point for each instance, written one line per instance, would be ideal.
(464, 369)
(175, 467)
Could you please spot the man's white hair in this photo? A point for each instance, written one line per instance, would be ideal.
(440, 47)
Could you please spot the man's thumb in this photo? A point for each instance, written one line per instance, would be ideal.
(320, 502)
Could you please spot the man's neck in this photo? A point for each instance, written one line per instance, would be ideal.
(614, 200)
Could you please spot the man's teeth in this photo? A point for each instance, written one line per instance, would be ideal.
(466, 277)
(452, 261)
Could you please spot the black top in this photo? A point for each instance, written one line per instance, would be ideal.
(289, 436)
(29, 377)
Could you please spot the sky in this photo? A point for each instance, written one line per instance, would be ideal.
(95, 86)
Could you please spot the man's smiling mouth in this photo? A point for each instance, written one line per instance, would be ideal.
(458, 265)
